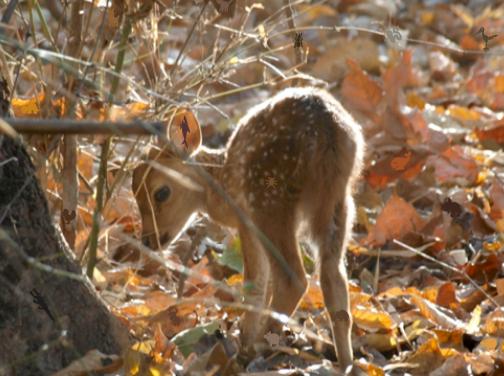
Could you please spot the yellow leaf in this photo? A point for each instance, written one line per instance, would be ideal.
(500, 225)
(372, 319)
(494, 324)
(463, 113)
(492, 246)
(499, 83)
(313, 297)
(235, 279)
(380, 342)
(413, 100)
(489, 344)
(316, 11)
(27, 107)
(426, 18)
(144, 347)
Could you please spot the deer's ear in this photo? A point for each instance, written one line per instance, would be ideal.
(185, 132)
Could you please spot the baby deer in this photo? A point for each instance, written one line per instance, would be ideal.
(289, 167)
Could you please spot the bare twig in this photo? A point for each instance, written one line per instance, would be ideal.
(102, 174)
(95, 229)
(9, 11)
(174, 66)
(69, 193)
(70, 126)
(70, 181)
(290, 21)
(448, 267)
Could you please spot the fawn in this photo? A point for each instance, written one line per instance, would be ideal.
(289, 167)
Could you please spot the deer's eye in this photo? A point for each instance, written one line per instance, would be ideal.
(162, 194)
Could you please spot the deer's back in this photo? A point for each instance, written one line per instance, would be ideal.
(282, 147)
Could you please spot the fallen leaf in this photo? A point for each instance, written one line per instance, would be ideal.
(433, 313)
(494, 323)
(396, 78)
(371, 319)
(93, 362)
(454, 166)
(360, 90)
(397, 219)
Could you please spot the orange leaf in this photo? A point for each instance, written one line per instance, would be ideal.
(499, 83)
(495, 133)
(405, 163)
(128, 112)
(453, 165)
(446, 296)
(396, 78)
(468, 42)
(397, 219)
(496, 195)
(359, 89)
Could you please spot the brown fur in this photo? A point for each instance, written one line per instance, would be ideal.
(289, 166)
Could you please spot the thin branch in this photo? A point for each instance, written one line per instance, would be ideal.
(174, 66)
(290, 21)
(71, 126)
(448, 267)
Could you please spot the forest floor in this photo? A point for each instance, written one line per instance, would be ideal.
(425, 262)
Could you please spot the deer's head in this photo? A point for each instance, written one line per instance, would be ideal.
(161, 184)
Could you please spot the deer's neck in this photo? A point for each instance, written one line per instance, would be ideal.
(212, 160)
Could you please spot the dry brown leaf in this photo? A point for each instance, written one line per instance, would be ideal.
(93, 361)
(397, 218)
(429, 356)
(456, 365)
(331, 65)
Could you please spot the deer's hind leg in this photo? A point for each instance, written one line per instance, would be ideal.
(287, 272)
(330, 231)
(256, 285)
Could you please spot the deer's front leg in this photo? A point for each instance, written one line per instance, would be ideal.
(256, 286)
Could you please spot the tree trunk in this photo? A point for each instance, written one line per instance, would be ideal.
(50, 313)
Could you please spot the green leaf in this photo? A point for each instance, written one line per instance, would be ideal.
(186, 339)
(232, 256)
